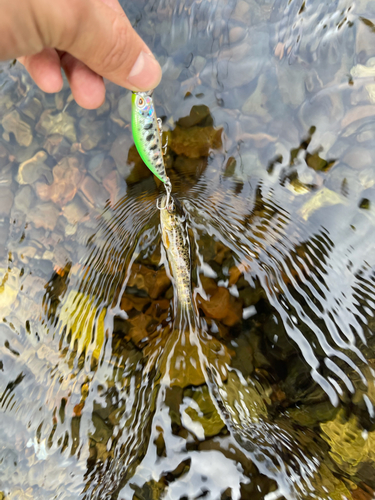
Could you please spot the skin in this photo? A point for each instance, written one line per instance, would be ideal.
(88, 39)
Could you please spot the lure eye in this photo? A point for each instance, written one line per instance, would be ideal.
(141, 101)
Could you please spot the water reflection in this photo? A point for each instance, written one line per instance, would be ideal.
(103, 390)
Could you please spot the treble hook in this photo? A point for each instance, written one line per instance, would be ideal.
(168, 189)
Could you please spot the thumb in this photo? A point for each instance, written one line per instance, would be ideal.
(99, 34)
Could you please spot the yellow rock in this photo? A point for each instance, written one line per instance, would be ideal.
(79, 316)
(323, 198)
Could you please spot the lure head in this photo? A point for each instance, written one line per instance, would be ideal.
(146, 133)
(142, 103)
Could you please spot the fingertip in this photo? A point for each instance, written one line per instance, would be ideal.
(87, 87)
(145, 74)
(44, 69)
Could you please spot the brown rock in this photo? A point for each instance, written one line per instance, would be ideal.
(76, 211)
(93, 192)
(198, 114)
(142, 326)
(195, 142)
(57, 146)
(119, 152)
(115, 186)
(60, 123)
(222, 252)
(91, 132)
(44, 215)
(31, 170)
(31, 107)
(138, 170)
(159, 309)
(222, 306)
(12, 122)
(190, 166)
(236, 34)
(209, 285)
(129, 302)
(155, 283)
(67, 179)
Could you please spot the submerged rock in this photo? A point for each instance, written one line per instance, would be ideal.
(13, 123)
(6, 201)
(57, 123)
(195, 142)
(44, 215)
(67, 177)
(33, 169)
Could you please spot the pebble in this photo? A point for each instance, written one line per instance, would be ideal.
(195, 141)
(91, 132)
(60, 123)
(13, 123)
(24, 199)
(155, 283)
(115, 185)
(236, 34)
(100, 165)
(33, 169)
(67, 177)
(255, 104)
(198, 114)
(6, 176)
(93, 192)
(75, 211)
(6, 201)
(31, 107)
(44, 215)
(57, 146)
(242, 12)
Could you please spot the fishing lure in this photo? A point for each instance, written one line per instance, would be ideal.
(147, 136)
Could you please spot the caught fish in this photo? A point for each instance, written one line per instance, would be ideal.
(146, 133)
(177, 245)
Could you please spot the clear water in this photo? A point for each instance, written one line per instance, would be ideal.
(269, 109)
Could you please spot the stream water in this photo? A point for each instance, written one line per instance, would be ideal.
(269, 110)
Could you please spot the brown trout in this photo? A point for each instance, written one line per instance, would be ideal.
(177, 245)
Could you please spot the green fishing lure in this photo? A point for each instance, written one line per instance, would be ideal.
(146, 133)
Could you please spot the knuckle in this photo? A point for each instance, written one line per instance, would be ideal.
(119, 53)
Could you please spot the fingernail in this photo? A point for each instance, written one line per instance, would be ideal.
(145, 74)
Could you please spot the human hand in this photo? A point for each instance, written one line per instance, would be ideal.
(89, 39)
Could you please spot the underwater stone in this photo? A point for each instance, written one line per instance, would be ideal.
(6, 201)
(67, 178)
(57, 146)
(60, 123)
(12, 122)
(44, 215)
(31, 170)
(195, 142)
(91, 132)
(24, 199)
(93, 192)
(31, 107)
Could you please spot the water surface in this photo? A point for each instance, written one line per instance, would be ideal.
(269, 111)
